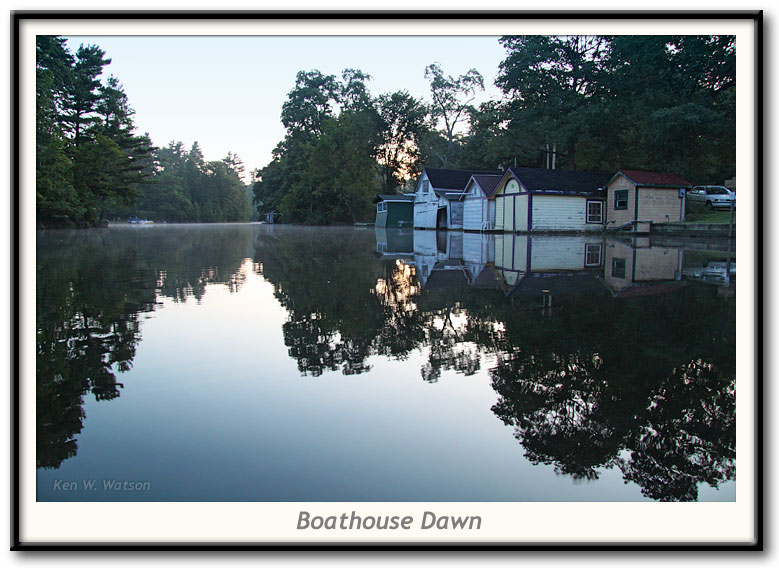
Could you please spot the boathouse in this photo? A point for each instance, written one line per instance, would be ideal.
(478, 207)
(636, 198)
(438, 202)
(541, 200)
(394, 210)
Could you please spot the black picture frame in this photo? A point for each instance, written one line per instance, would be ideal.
(19, 233)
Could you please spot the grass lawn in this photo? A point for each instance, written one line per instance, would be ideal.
(696, 213)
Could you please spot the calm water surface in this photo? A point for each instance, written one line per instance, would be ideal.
(271, 363)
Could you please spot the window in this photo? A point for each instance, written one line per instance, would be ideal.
(621, 199)
(592, 254)
(595, 211)
(425, 186)
(618, 268)
(381, 207)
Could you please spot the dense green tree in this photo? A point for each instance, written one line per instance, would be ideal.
(662, 103)
(342, 169)
(234, 164)
(452, 98)
(268, 187)
(310, 102)
(88, 158)
(56, 198)
(550, 81)
(165, 196)
(673, 105)
(607, 102)
(226, 198)
(404, 125)
(83, 95)
(92, 165)
(492, 143)
(353, 92)
(324, 171)
(97, 164)
(186, 188)
(281, 187)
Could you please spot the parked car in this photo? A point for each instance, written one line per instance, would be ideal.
(712, 196)
(713, 272)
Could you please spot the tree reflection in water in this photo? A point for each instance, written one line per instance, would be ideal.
(92, 287)
(645, 383)
(688, 436)
(603, 379)
(656, 384)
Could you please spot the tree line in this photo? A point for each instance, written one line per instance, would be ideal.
(91, 166)
(664, 103)
(658, 103)
(343, 145)
(185, 188)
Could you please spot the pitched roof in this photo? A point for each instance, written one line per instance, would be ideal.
(487, 182)
(452, 278)
(656, 179)
(453, 179)
(563, 182)
(559, 284)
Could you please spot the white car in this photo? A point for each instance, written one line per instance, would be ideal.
(712, 196)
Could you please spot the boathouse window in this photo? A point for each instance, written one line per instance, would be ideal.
(381, 207)
(595, 211)
(592, 254)
(618, 268)
(621, 199)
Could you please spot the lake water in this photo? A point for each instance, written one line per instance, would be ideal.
(273, 363)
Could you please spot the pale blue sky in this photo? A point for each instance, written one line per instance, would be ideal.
(226, 92)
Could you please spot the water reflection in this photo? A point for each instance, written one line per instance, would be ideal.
(605, 358)
(92, 288)
(602, 353)
(601, 348)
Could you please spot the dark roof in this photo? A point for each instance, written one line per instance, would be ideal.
(452, 278)
(453, 179)
(487, 182)
(655, 179)
(564, 182)
(559, 284)
(394, 198)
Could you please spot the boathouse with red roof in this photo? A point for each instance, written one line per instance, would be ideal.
(644, 197)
